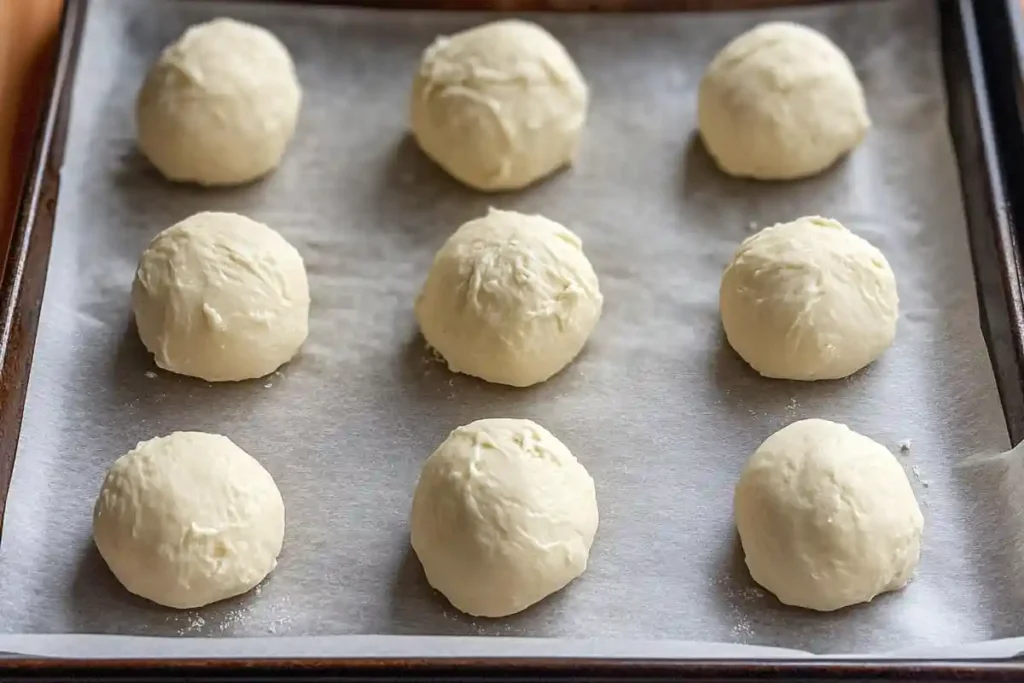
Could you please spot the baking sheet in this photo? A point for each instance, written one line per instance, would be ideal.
(659, 410)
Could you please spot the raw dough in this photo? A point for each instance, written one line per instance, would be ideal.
(221, 297)
(188, 519)
(220, 105)
(780, 102)
(827, 517)
(808, 300)
(503, 516)
(510, 298)
(499, 106)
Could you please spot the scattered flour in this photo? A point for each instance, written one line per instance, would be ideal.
(742, 630)
(232, 618)
(244, 617)
(195, 623)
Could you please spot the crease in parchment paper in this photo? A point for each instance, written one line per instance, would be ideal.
(657, 407)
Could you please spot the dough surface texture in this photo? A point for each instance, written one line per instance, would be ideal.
(780, 102)
(827, 517)
(221, 297)
(808, 300)
(510, 298)
(502, 517)
(220, 105)
(499, 106)
(188, 519)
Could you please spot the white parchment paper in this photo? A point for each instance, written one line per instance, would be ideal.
(659, 410)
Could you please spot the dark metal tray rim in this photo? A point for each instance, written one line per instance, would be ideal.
(985, 103)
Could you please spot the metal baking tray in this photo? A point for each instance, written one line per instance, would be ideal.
(658, 408)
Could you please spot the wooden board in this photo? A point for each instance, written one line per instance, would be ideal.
(28, 29)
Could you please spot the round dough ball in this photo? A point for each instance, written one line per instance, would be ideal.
(188, 519)
(502, 517)
(221, 297)
(827, 517)
(780, 102)
(808, 300)
(510, 299)
(499, 106)
(220, 105)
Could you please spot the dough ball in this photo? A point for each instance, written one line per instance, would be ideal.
(510, 299)
(503, 516)
(827, 517)
(188, 519)
(780, 102)
(221, 297)
(220, 105)
(808, 300)
(499, 106)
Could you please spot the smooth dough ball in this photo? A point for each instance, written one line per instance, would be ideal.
(188, 519)
(827, 517)
(221, 297)
(499, 106)
(510, 299)
(502, 517)
(780, 102)
(220, 105)
(808, 300)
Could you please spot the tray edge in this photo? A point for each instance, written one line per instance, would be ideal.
(532, 669)
(24, 275)
(987, 134)
(21, 293)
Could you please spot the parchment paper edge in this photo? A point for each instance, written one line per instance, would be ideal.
(77, 646)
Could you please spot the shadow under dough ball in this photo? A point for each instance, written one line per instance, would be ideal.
(221, 297)
(780, 102)
(510, 298)
(499, 106)
(188, 519)
(808, 300)
(220, 105)
(827, 517)
(503, 516)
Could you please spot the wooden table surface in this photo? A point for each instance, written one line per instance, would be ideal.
(28, 31)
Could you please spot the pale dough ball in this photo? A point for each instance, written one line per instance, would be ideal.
(510, 298)
(808, 300)
(188, 519)
(502, 517)
(827, 517)
(220, 105)
(780, 102)
(221, 297)
(499, 106)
